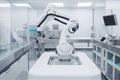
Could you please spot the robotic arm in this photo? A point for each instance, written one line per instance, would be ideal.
(64, 49)
(50, 13)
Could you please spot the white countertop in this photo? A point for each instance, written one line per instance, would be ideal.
(86, 70)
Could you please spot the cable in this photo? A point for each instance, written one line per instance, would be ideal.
(60, 21)
(52, 15)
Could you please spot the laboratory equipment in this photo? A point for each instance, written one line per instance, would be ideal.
(112, 39)
(52, 33)
(55, 27)
(55, 32)
(64, 49)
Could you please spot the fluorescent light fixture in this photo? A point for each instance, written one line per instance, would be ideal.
(84, 4)
(22, 4)
(99, 5)
(5, 5)
(58, 4)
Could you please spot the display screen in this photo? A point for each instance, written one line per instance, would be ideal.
(110, 20)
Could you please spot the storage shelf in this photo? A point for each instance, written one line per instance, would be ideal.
(104, 53)
(99, 62)
(104, 65)
(108, 60)
(117, 61)
(110, 56)
(110, 71)
(94, 47)
(117, 74)
(99, 50)
(94, 58)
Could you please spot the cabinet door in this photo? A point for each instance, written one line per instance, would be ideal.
(12, 72)
(23, 63)
(23, 67)
(15, 71)
(2, 76)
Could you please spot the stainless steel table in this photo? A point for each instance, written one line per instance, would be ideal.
(12, 53)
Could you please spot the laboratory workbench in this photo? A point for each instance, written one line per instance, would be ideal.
(12, 53)
(107, 58)
(113, 48)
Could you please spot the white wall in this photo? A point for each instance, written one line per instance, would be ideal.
(21, 18)
(5, 21)
(113, 7)
(84, 17)
(116, 29)
(100, 29)
(32, 17)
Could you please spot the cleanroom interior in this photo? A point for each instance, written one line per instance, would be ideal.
(23, 47)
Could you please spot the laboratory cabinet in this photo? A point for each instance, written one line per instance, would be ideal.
(107, 58)
(14, 71)
(110, 71)
(94, 57)
(97, 51)
(117, 74)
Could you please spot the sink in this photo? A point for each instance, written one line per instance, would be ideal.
(54, 60)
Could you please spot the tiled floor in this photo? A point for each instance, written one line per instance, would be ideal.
(24, 76)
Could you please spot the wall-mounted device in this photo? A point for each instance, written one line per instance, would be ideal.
(110, 20)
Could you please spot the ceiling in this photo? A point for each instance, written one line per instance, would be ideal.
(43, 3)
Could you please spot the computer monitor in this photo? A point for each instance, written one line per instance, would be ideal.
(110, 20)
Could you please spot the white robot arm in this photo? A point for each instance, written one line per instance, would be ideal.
(64, 49)
(50, 13)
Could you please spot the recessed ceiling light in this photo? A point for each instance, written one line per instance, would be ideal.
(85, 4)
(99, 5)
(5, 5)
(58, 4)
(21, 4)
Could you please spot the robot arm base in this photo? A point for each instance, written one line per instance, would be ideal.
(65, 51)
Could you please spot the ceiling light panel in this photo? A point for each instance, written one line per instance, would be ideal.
(21, 4)
(85, 4)
(58, 4)
(99, 4)
(4, 5)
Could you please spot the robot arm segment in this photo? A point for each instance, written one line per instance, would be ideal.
(59, 16)
(50, 13)
(54, 19)
(60, 21)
